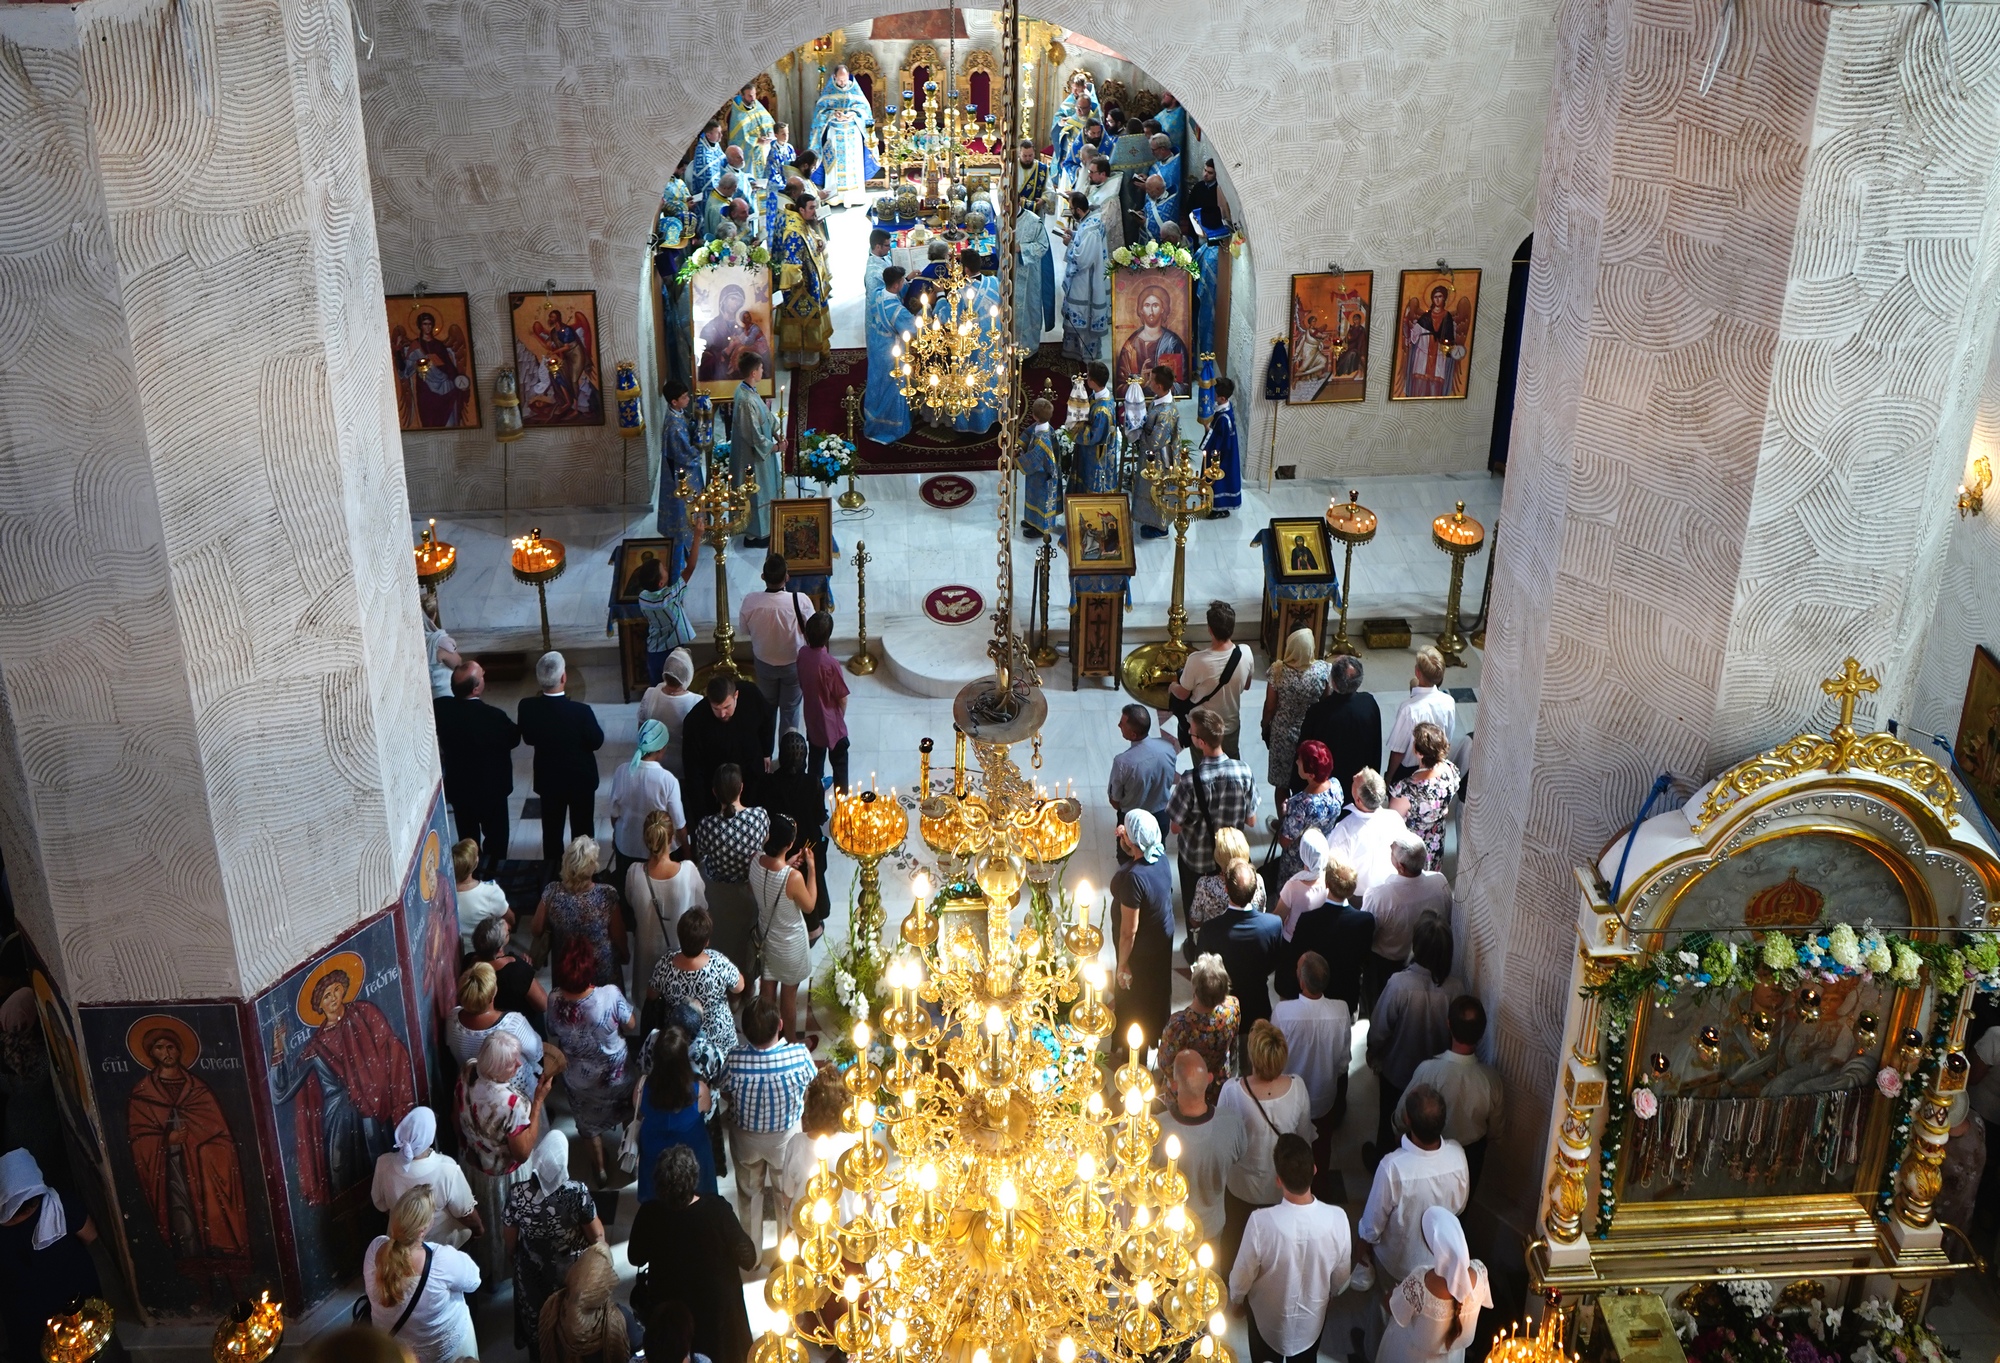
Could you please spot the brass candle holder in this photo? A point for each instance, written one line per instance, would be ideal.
(867, 826)
(1351, 523)
(251, 1333)
(537, 562)
(1460, 536)
(1045, 649)
(862, 664)
(851, 500)
(436, 560)
(80, 1335)
(1184, 490)
(722, 508)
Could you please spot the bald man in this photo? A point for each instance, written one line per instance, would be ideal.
(1210, 1141)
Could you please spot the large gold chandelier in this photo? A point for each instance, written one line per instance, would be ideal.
(942, 367)
(1000, 1204)
(1006, 1214)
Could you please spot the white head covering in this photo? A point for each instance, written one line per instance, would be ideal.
(1144, 831)
(1452, 1261)
(1306, 890)
(416, 1133)
(1312, 851)
(550, 1163)
(679, 666)
(20, 1184)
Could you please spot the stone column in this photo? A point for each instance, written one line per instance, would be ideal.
(1758, 322)
(216, 751)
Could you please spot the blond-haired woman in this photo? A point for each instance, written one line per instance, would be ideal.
(479, 1016)
(1270, 1103)
(577, 906)
(659, 890)
(416, 1288)
(1211, 895)
(1298, 680)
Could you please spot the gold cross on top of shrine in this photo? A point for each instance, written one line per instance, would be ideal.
(1848, 688)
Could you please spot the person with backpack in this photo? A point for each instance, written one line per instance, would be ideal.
(1216, 677)
(1216, 792)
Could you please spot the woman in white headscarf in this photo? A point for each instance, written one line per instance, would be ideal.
(1305, 891)
(44, 1260)
(1434, 1312)
(414, 1161)
(551, 1219)
(1143, 893)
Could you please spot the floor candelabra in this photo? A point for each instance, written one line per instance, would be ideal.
(537, 562)
(862, 664)
(721, 509)
(1351, 523)
(1185, 490)
(1460, 536)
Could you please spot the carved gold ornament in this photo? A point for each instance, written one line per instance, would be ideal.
(1843, 750)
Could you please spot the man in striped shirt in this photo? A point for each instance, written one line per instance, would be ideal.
(765, 1080)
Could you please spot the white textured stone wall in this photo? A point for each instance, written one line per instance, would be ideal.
(1968, 603)
(1753, 334)
(514, 144)
(218, 748)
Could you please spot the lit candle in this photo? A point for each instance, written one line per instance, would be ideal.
(1083, 903)
(996, 1029)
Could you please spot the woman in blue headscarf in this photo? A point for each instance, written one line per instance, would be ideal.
(839, 137)
(1143, 893)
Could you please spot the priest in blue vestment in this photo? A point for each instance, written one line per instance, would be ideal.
(777, 166)
(1041, 501)
(708, 162)
(753, 448)
(885, 412)
(1086, 301)
(678, 458)
(1034, 277)
(1219, 446)
(976, 301)
(839, 136)
(749, 122)
(1097, 442)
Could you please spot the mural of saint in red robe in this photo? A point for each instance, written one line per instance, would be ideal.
(352, 1080)
(185, 1154)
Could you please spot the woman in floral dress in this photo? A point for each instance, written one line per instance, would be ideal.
(589, 1022)
(497, 1124)
(1317, 806)
(578, 907)
(707, 979)
(1207, 1024)
(1424, 797)
(1298, 680)
(550, 1220)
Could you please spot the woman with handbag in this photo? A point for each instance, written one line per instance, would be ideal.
(672, 1109)
(783, 882)
(659, 890)
(590, 1023)
(499, 1120)
(1270, 1103)
(550, 1220)
(416, 1289)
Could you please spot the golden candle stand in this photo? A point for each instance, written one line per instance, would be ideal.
(1460, 536)
(851, 500)
(867, 826)
(436, 560)
(723, 506)
(1351, 523)
(78, 1336)
(862, 664)
(1045, 651)
(1184, 490)
(537, 562)
(251, 1333)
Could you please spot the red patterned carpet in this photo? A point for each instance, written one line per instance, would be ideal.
(816, 404)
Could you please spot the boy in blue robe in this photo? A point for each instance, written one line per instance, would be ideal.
(1219, 446)
(885, 411)
(1041, 502)
(1097, 443)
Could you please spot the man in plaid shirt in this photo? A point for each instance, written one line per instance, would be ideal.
(765, 1081)
(1226, 796)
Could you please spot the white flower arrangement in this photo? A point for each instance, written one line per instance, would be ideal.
(723, 251)
(1155, 255)
(1757, 1296)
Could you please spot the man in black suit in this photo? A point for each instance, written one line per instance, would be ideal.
(731, 724)
(1348, 721)
(476, 742)
(565, 736)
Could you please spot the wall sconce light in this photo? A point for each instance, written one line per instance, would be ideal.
(1972, 492)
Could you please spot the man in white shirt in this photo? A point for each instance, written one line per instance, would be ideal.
(1363, 836)
(1472, 1091)
(1211, 1141)
(1295, 1257)
(1428, 702)
(1400, 899)
(1318, 1042)
(1218, 677)
(1425, 1171)
(774, 620)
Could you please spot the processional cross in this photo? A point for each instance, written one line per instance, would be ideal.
(1848, 688)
